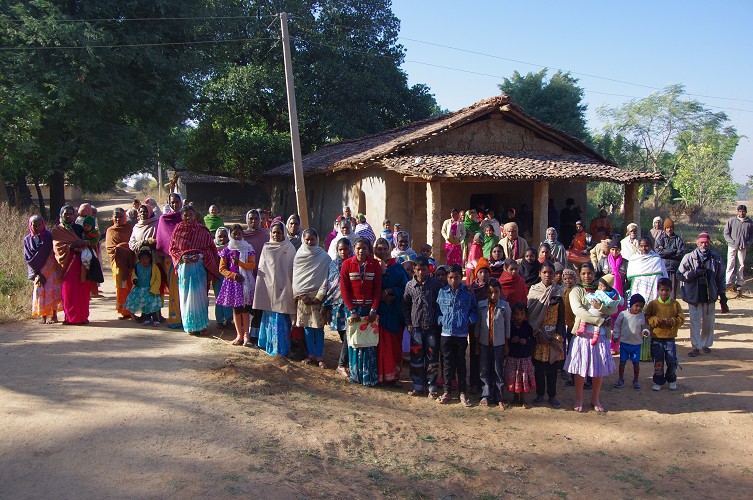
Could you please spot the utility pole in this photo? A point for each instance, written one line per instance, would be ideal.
(295, 140)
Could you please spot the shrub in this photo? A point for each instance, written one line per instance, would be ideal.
(15, 289)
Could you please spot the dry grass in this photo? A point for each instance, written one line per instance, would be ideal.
(15, 289)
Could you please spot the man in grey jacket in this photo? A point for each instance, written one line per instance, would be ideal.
(739, 234)
(702, 275)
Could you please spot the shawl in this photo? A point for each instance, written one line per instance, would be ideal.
(244, 249)
(539, 300)
(217, 235)
(213, 222)
(402, 255)
(310, 269)
(645, 265)
(142, 231)
(37, 251)
(474, 254)
(530, 272)
(194, 238)
(614, 265)
(628, 248)
(274, 280)
(489, 243)
(62, 237)
(165, 228)
(472, 226)
(256, 237)
(364, 231)
(514, 287)
(116, 244)
(559, 252)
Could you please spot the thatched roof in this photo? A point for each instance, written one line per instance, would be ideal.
(198, 178)
(391, 149)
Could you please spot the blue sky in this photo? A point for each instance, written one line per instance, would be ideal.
(707, 46)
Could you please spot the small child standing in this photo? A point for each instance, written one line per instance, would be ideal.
(629, 329)
(608, 296)
(387, 233)
(665, 316)
(519, 374)
(237, 263)
(492, 333)
(145, 297)
(426, 251)
(457, 310)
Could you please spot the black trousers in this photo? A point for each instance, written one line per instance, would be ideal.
(546, 377)
(453, 355)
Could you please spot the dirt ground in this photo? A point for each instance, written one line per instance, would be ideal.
(115, 409)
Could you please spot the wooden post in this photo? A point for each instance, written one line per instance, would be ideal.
(540, 212)
(434, 219)
(632, 205)
(295, 140)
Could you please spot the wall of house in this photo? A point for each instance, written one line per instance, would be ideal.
(492, 133)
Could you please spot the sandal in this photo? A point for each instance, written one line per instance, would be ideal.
(503, 405)
(444, 399)
(465, 401)
(598, 407)
(578, 409)
(237, 341)
(342, 371)
(307, 361)
(415, 393)
(322, 365)
(433, 395)
(554, 403)
(694, 353)
(484, 402)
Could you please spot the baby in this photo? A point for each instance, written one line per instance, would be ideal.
(92, 236)
(608, 296)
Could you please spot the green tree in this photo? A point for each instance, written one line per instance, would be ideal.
(704, 176)
(654, 125)
(557, 101)
(346, 63)
(96, 112)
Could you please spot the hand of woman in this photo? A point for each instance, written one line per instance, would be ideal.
(372, 316)
(239, 278)
(354, 318)
(596, 304)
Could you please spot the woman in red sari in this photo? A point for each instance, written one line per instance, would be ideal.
(391, 322)
(122, 259)
(68, 242)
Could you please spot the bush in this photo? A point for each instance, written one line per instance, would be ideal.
(15, 289)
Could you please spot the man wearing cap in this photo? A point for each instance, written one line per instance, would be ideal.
(738, 233)
(671, 249)
(702, 275)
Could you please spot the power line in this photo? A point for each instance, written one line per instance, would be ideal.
(141, 19)
(130, 45)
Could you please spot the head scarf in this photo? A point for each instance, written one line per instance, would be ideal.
(256, 237)
(37, 218)
(217, 236)
(274, 280)
(84, 209)
(244, 249)
(295, 239)
(529, 271)
(540, 298)
(310, 269)
(510, 226)
(37, 248)
(408, 253)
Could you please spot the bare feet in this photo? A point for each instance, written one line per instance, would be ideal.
(238, 341)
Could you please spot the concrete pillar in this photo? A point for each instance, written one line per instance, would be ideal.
(632, 205)
(540, 211)
(434, 219)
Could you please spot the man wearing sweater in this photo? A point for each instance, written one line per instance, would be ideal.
(664, 316)
(738, 233)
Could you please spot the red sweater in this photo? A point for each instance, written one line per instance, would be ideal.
(361, 284)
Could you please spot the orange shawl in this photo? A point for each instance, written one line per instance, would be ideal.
(121, 255)
(61, 244)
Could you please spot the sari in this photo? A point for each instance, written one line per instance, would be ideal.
(273, 296)
(191, 240)
(391, 322)
(614, 265)
(452, 249)
(122, 263)
(165, 227)
(75, 291)
(46, 298)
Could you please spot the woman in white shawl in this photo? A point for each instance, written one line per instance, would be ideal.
(559, 252)
(645, 267)
(311, 270)
(144, 232)
(273, 295)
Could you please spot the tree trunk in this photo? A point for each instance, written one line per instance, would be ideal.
(40, 198)
(57, 190)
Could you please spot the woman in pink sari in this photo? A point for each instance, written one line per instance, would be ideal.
(68, 243)
(453, 232)
(615, 264)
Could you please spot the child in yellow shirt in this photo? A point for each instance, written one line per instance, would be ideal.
(664, 316)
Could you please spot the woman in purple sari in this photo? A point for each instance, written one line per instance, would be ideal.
(44, 271)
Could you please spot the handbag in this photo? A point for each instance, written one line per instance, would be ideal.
(363, 334)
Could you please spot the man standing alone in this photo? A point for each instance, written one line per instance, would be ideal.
(739, 233)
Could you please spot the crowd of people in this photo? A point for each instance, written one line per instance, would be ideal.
(499, 320)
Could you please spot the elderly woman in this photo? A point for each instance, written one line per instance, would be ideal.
(165, 227)
(122, 259)
(453, 232)
(257, 236)
(584, 359)
(293, 230)
(273, 296)
(68, 243)
(657, 228)
(345, 232)
(629, 244)
(311, 271)
(645, 267)
(361, 289)
(43, 270)
(402, 250)
(546, 315)
(558, 250)
(391, 321)
(195, 259)
(513, 246)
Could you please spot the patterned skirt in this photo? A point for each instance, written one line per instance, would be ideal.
(453, 254)
(47, 299)
(140, 301)
(519, 375)
(194, 302)
(363, 365)
(231, 294)
(274, 333)
(587, 360)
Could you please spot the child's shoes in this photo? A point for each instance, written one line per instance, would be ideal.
(636, 385)
(656, 387)
(620, 383)
(673, 386)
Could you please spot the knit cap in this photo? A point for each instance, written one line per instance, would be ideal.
(636, 298)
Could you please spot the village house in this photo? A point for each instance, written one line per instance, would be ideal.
(205, 189)
(490, 153)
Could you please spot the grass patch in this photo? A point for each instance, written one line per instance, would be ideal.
(15, 288)
(429, 439)
(636, 479)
